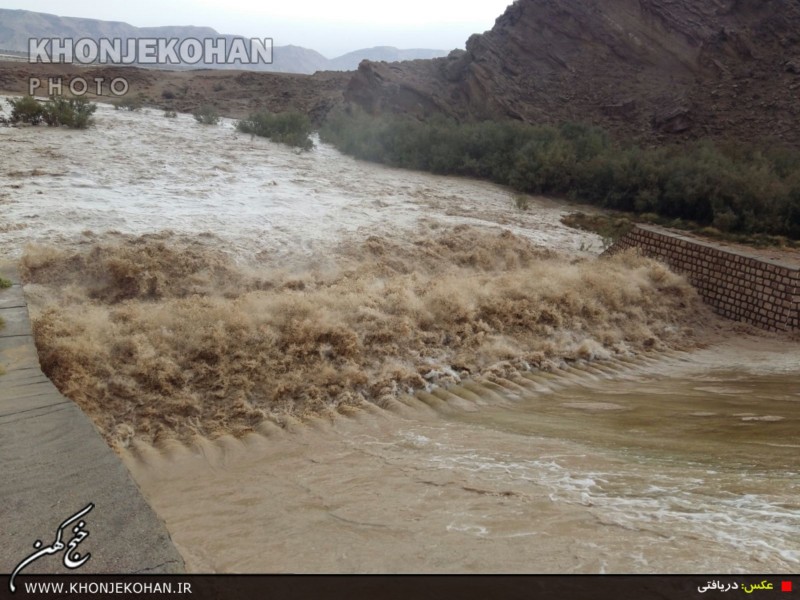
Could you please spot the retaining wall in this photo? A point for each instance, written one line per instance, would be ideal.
(736, 283)
(54, 463)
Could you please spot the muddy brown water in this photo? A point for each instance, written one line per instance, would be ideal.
(676, 463)
(679, 465)
(139, 172)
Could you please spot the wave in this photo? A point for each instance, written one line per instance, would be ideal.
(167, 336)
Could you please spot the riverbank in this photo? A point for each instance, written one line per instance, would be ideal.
(55, 464)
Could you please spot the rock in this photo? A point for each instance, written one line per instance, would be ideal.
(672, 118)
(616, 61)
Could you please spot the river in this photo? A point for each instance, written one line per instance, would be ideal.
(662, 461)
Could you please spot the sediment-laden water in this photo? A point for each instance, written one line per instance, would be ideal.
(143, 173)
(312, 364)
(677, 466)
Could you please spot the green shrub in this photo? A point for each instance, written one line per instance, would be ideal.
(609, 227)
(70, 112)
(5, 283)
(291, 128)
(206, 115)
(733, 189)
(522, 202)
(130, 103)
(26, 110)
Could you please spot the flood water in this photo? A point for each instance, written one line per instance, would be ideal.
(683, 465)
(141, 172)
(680, 462)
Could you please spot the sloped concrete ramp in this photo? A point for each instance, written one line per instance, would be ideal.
(53, 464)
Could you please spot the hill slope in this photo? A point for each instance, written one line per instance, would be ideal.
(652, 69)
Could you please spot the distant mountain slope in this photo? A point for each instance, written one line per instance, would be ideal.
(653, 69)
(18, 26)
(351, 60)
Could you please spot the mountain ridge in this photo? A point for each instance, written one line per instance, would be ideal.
(17, 26)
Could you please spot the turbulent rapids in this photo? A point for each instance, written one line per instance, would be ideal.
(156, 336)
(350, 368)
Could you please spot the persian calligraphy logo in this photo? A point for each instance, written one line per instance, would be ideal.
(72, 558)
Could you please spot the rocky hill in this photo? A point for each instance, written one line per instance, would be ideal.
(651, 69)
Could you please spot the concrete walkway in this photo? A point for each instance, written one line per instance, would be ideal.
(53, 463)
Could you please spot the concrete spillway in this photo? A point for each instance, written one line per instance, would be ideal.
(54, 463)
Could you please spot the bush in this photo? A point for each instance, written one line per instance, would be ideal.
(291, 128)
(522, 202)
(5, 283)
(26, 110)
(168, 95)
(129, 103)
(170, 114)
(727, 187)
(71, 112)
(206, 115)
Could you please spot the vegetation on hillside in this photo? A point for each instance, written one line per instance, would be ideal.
(291, 128)
(725, 186)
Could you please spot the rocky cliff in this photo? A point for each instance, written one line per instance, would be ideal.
(651, 69)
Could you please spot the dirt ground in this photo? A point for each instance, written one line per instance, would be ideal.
(234, 93)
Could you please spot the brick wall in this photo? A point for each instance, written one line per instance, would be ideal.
(739, 286)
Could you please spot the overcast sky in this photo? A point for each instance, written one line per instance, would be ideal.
(332, 27)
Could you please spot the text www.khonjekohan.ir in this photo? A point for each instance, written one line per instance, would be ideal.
(75, 527)
(107, 587)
